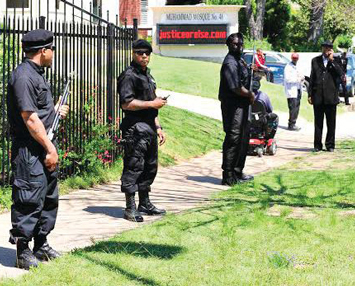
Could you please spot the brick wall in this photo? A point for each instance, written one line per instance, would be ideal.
(130, 9)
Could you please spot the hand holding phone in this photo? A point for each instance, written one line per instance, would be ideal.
(166, 97)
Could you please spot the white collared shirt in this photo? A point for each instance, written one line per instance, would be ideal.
(325, 61)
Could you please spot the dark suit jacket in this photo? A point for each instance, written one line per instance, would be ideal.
(324, 81)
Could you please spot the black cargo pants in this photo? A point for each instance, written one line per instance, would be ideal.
(140, 161)
(34, 192)
(235, 145)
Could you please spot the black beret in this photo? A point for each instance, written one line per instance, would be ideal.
(141, 44)
(327, 44)
(36, 40)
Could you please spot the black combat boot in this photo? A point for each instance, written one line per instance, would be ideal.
(24, 257)
(43, 251)
(228, 179)
(145, 206)
(131, 213)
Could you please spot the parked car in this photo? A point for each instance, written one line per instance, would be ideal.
(274, 61)
(350, 76)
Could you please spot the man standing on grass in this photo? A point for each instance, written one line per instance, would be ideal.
(325, 78)
(34, 157)
(293, 80)
(235, 100)
(140, 128)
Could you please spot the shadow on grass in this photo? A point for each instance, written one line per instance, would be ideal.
(141, 249)
(119, 270)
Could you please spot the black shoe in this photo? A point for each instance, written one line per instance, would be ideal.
(150, 209)
(25, 258)
(229, 181)
(243, 178)
(132, 215)
(330, 149)
(294, 128)
(45, 252)
(317, 150)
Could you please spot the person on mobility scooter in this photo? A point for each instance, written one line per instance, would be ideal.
(264, 124)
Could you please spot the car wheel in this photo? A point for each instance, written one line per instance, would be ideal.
(260, 152)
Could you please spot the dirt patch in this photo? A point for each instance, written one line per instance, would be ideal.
(291, 212)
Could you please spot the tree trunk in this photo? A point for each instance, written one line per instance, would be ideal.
(317, 20)
(256, 25)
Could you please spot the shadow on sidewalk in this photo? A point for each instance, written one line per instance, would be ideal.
(205, 179)
(116, 212)
(7, 257)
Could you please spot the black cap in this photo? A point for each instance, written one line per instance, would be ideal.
(141, 44)
(327, 44)
(37, 39)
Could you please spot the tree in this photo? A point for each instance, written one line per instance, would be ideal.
(256, 22)
(277, 15)
(316, 20)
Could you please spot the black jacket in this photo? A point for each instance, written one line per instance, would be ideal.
(324, 82)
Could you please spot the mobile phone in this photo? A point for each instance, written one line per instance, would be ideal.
(166, 97)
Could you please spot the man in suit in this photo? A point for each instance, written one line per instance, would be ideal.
(325, 78)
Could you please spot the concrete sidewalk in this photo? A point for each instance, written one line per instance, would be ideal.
(87, 215)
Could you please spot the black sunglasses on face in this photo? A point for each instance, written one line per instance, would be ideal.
(141, 53)
(51, 48)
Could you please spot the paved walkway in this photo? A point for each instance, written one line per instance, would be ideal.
(88, 215)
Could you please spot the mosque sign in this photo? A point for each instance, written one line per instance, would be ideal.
(193, 30)
(204, 34)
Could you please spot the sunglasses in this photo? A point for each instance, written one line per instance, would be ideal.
(141, 53)
(51, 48)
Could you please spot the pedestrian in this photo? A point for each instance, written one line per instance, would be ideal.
(344, 65)
(323, 95)
(235, 101)
(140, 128)
(261, 68)
(34, 157)
(293, 81)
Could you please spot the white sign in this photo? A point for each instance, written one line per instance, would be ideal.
(194, 18)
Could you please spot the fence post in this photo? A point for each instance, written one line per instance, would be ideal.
(135, 29)
(110, 73)
(42, 22)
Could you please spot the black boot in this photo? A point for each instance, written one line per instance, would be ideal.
(24, 257)
(131, 213)
(146, 207)
(43, 251)
(228, 179)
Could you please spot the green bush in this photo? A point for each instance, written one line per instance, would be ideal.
(343, 41)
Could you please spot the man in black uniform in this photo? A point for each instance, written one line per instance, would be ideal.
(235, 100)
(140, 128)
(33, 156)
(344, 65)
(324, 82)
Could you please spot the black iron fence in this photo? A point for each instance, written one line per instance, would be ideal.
(97, 51)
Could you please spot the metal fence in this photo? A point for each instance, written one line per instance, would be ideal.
(97, 50)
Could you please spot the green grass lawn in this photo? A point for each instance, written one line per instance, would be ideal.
(188, 135)
(237, 239)
(202, 79)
